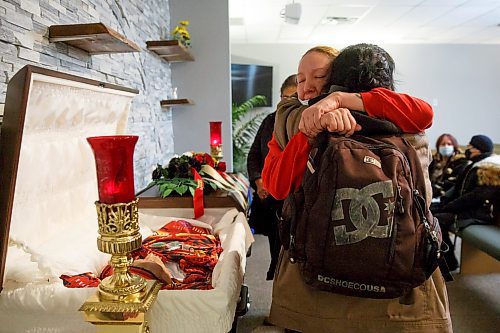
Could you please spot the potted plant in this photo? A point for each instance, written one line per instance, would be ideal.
(245, 127)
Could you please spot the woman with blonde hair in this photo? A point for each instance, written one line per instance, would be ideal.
(366, 69)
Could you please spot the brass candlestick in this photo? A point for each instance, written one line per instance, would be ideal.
(119, 236)
(123, 298)
(216, 152)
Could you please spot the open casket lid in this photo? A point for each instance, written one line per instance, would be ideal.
(47, 169)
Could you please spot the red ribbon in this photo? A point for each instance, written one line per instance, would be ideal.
(199, 207)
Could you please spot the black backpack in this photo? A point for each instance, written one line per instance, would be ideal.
(359, 225)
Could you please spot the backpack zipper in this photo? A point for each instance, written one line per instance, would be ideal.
(399, 201)
(401, 211)
(293, 227)
(392, 247)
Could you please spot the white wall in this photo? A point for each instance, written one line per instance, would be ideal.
(207, 80)
(460, 81)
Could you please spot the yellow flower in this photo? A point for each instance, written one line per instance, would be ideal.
(180, 33)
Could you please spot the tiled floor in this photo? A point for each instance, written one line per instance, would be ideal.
(474, 299)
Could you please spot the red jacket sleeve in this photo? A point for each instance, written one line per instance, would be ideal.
(409, 113)
(283, 169)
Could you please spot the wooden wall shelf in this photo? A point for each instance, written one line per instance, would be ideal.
(95, 38)
(170, 50)
(176, 102)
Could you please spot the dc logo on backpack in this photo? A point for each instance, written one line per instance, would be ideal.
(366, 225)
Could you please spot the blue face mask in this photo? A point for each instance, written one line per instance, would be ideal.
(446, 151)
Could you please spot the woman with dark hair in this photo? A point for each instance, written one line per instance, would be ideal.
(288, 87)
(264, 207)
(361, 79)
(447, 163)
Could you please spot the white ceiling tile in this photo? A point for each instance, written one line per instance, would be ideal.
(355, 2)
(312, 14)
(400, 2)
(262, 33)
(255, 15)
(491, 18)
(460, 15)
(347, 11)
(290, 31)
(442, 2)
(482, 2)
(383, 15)
(329, 35)
(421, 15)
(236, 8)
(311, 2)
(379, 35)
(422, 33)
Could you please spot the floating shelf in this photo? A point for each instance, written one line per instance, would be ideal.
(95, 38)
(176, 102)
(170, 50)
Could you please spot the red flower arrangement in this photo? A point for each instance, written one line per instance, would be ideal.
(177, 176)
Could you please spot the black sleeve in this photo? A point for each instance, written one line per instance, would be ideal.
(254, 158)
(472, 199)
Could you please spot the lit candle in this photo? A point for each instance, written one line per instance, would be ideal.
(215, 133)
(114, 159)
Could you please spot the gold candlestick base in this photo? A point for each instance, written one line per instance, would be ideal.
(122, 300)
(120, 317)
(216, 152)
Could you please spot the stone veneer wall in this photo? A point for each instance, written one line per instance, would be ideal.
(24, 40)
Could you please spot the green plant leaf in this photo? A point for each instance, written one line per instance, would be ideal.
(181, 189)
(163, 188)
(191, 190)
(244, 131)
(240, 110)
(166, 193)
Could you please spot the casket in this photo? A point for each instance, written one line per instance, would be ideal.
(48, 222)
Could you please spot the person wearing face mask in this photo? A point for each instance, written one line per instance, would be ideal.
(446, 164)
(470, 200)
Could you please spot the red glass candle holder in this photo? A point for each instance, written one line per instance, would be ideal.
(215, 133)
(115, 167)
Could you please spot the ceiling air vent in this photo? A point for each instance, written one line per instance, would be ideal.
(332, 20)
(236, 21)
